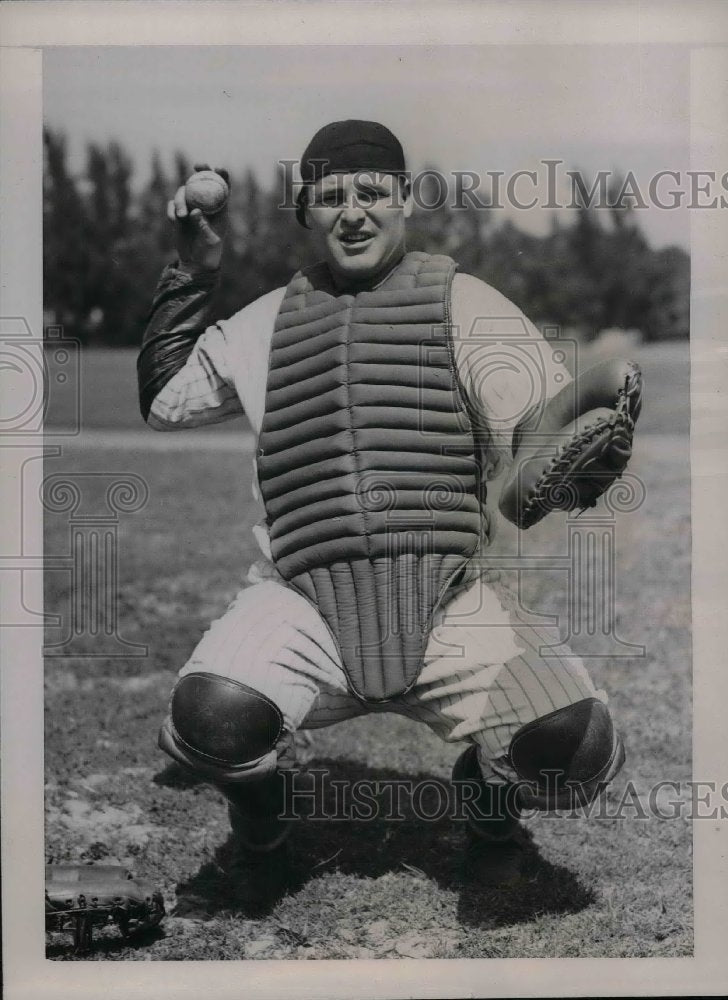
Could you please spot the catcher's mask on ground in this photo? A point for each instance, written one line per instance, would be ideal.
(358, 222)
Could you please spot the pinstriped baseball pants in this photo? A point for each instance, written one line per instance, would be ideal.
(483, 675)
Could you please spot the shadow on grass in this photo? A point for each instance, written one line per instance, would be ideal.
(498, 885)
(176, 776)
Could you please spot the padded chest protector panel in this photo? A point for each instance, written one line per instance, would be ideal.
(366, 463)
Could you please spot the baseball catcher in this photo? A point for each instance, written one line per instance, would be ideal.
(380, 416)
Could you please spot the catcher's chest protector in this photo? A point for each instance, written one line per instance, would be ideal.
(366, 463)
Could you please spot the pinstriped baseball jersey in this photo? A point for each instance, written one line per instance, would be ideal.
(483, 676)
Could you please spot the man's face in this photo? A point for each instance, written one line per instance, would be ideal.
(357, 223)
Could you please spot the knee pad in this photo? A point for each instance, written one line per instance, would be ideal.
(222, 727)
(565, 758)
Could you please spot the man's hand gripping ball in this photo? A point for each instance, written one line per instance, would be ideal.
(208, 191)
(199, 213)
(568, 451)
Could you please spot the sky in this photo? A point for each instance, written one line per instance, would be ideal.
(478, 108)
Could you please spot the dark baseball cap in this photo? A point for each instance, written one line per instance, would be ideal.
(347, 147)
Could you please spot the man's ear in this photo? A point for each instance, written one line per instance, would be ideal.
(302, 210)
(407, 201)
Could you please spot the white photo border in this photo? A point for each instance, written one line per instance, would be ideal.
(25, 28)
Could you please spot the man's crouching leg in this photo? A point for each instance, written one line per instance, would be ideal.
(492, 808)
(566, 758)
(560, 761)
(234, 737)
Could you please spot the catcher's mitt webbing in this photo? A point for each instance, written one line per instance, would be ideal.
(569, 451)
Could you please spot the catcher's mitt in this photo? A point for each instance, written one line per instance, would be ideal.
(77, 897)
(570, 450)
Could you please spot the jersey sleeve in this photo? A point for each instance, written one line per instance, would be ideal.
(201, 392)
(505, 364)
(183, 371)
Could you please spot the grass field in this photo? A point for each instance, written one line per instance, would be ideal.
(577, 887)
(107, 395)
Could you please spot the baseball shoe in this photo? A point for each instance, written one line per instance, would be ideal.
(492, 810)
(260, 879)
(260, 864)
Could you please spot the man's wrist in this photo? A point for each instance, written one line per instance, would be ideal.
(193, 270)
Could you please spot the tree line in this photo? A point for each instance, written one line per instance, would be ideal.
(106, 240)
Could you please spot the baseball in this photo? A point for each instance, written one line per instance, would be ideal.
(207, 191)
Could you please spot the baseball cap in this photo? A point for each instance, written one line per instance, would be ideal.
(346, 147)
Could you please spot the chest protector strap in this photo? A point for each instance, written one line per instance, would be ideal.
(366, 463)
